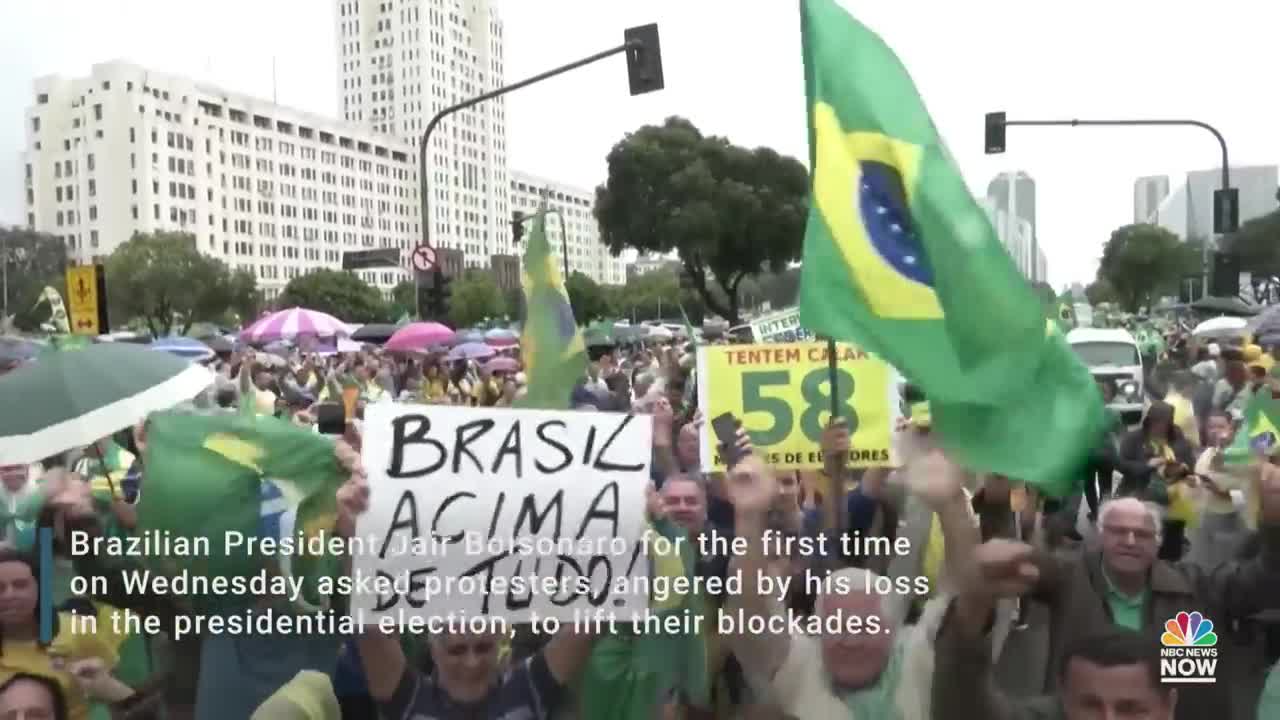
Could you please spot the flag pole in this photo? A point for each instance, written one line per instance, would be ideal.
(831, 377)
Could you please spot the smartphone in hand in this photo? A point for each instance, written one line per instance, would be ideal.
(726, 429)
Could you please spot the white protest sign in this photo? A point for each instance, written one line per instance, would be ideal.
(502, 513)
(782, 326)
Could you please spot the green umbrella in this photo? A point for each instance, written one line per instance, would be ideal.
(74, 396)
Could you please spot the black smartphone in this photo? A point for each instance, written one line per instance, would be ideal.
(726, 429)
(331, 419)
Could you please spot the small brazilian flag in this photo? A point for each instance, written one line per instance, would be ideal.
(900, 259)
(555, 355)
(1260, 433)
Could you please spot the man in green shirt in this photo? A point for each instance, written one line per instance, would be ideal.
(1109, 672)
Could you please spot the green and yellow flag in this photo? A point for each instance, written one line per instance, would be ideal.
(900, 259)
(1260, 433)
(555, 355)
(252, 475)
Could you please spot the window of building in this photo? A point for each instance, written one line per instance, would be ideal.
(35, 124)
(93, 212)
(133, 186)
(93, 188)
(93, 238)
(57, 193)
(156, 210)
(89, 161)
(133, 210)
(42, 99)
(58, 218)
(97, 111)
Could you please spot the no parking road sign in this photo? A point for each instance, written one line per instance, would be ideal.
(423, 258)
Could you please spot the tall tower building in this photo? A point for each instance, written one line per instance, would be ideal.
(1014, 194)
(402, 61)
(1148, 193)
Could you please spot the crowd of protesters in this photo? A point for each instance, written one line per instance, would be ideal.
(1159, 500)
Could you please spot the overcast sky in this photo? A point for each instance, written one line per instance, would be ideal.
(733, 68)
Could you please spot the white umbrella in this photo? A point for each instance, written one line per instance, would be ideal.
(1221, 327)
(661, 333)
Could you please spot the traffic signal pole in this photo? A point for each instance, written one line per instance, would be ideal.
(1227, 208)
(644, 66)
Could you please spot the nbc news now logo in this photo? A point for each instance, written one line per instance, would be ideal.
(1189, 653)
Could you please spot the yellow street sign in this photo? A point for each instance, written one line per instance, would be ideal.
(82, 300)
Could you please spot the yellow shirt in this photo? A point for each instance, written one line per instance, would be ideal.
(1184, 416)
(28, 657)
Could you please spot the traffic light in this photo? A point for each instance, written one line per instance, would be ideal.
(644, 59)
(438, 294)
(995, 133)
(517, 227)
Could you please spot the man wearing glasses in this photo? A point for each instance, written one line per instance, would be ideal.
(1123, 584)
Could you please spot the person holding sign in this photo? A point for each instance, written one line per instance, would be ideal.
(469, 680)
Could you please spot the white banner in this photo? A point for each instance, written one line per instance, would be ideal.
(501, 513)
(782, 326)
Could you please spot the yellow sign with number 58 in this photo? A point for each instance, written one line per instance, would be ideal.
(781, 393)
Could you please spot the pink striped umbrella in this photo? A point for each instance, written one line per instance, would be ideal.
(291, 323)
(419, 336)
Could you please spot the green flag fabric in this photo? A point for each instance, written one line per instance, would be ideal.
(629, 673)
(555, 356)
(900, 259)
(210, 475)
(1260, 433)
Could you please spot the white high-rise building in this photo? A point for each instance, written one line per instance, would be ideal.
(1148, 193)
(1014, 193)
(1187, 210)
(581, 232)
(399, 63)
(262, 187)
(1016, 235)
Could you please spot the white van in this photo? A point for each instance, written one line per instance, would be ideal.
(1112, 355)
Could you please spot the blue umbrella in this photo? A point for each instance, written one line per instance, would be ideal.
(471, 351)
(185, 347)
(468, 336)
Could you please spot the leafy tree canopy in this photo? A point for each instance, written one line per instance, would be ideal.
(475, 297)
(403, 300)
(656, 295)
(338, 293)
(1257, 244)
(162, 279)
(589, 300)
(32, 261)
(1139, 261)
(729, 211)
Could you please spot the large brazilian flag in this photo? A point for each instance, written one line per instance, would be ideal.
(899, 258)
(555, 355)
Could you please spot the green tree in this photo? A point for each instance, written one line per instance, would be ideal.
(162, 279)
(404, 300)
(1257, 244)
(1139, 261)
(338, 293)
(475, 297)
(1098, 292)
(656, 295)
(31, 260)
(729, 211)
(513, 303)
(589, 300)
